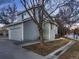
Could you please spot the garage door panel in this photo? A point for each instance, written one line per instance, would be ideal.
(16, 34)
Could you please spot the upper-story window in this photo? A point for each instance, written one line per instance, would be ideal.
(19, 18)
(25, 15)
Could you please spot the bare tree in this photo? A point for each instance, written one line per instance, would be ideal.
(35, 10)
(39, 12)
(8, 15)
(68, 13)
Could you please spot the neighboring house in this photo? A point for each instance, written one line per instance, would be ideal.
(3, 33)
(26, 30)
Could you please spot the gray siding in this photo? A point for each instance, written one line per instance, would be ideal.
(46, 29)
(19, 18)
(50, 31)
(30, 31)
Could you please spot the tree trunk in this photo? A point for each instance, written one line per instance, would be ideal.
(41, 35)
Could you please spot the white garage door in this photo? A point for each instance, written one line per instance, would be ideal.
(16, 34)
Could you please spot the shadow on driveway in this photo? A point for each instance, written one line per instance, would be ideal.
(10, 51)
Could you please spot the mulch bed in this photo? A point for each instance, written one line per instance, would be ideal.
(72, 53)
(46, 49)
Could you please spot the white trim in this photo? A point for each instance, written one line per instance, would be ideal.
(49, 32)
(9, 32)
(22, 31)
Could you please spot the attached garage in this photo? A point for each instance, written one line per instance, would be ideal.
(28, 31)
(23, 31)
(16, 32)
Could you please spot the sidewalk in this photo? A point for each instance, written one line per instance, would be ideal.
(10, 51)
(57, 53)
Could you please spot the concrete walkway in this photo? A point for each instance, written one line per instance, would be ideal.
(60, 51)
(10, 51)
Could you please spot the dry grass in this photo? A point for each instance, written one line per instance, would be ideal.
(72, 53)
(46, 49)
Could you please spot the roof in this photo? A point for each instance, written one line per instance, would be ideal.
(28, 19)
(23, 21)
(16, 23)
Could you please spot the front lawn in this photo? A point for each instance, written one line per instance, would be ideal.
(46, 49)
(72, 53)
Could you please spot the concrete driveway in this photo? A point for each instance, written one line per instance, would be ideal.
(10, 51)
